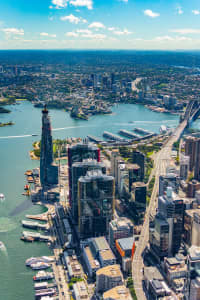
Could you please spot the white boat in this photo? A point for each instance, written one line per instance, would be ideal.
(39, 266)
(2, 246)
(42, 275)
(34, 260)
(2, 197)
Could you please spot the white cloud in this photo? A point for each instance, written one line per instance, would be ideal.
(86, 31)
(164, 38)
(179, 10)
(47, 34)
(72, 34)
(186, 31)
(71, 18)
(82, 3)
(96, 25)
(196, 12)
(151, 14)
(95, 36)
(13, 31)
(59, 3)
(111, 28)
(122, 32)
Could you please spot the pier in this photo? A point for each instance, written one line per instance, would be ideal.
(113, 137)
(94, 139)
(142, 131)
(128, 134)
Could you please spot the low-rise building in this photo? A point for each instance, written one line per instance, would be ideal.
(125, 248)
(117, 293)
(119, 228)
(72, 264)
(80, 291)
(91, 263)
(106, 257)
(108, 277)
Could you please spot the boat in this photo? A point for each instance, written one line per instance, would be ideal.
(2, 197)
(39, 266)
(42, 259)
(2, 246)
(42, 275)
(27, 239)
(45, 292)
(26, 187)
(34, 134)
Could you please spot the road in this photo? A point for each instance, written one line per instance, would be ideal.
(161, 161)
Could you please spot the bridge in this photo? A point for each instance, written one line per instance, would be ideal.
(161, 161)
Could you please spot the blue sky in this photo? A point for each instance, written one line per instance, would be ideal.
(100, 24)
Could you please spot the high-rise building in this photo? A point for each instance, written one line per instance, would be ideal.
(138, 193)
(133, 174)
(80, 169)
(78, 153)
(139, 159)
(159, 237)
(48, 171)
(190, 150)
(193, 263)
(193, 186)
(95, 203)
(184, 166)
(171, 207)
(168, 180)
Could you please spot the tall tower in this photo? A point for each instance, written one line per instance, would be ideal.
(48, 172)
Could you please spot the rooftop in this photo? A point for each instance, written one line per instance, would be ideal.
(107, 254)
(93, 262)
(111, 271)
(117, 293)
(100, 243)
(126, 243)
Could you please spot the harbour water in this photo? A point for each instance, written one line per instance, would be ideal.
(15, 142)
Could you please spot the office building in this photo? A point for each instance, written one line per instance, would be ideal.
(80, 169)
(119, 228)
(78, 153)
(193, 186)
(139, 159)
(48, 171)
(168, 180)
(159, 237)
(195, 289)
(193, 263)
(117, 293)
(91, 263)
(108, 278)
(196, 228)
(134, 174)
(138, 195)
(190, 150)
(96, 203)
(184, 166)
(175, 268)
(171, 207)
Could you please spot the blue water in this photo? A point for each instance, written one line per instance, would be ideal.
(15, 279)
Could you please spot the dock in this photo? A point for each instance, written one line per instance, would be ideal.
(113, 137)
(142, 131)
(128, 134)
(94, 139)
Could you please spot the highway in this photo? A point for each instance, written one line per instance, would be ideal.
(161, 160)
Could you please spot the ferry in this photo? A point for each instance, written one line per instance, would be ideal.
(39, 266)
(45, 292)
(34, 260)
(42, 275)
(2, 197)
(26, 187)
(34, 134)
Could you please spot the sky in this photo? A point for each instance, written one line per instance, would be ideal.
(100, 24)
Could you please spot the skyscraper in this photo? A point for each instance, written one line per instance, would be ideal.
(167, 180)
(139, 159)
(78, 153)
(95, 203)
(48, 171)
(80, 169)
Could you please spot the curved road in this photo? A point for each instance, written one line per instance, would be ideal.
(161, 161)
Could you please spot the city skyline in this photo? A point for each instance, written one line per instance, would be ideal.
(95, 24)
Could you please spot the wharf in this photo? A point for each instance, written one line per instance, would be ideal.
(142, 131)
(94, 139)
(128, 134)
(113, 137)
(36, 236)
